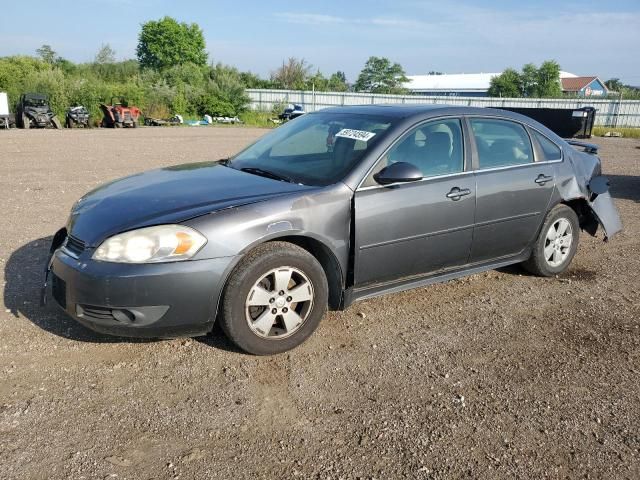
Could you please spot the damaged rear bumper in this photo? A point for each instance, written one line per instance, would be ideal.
(606, 214)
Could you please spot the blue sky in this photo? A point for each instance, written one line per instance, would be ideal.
(586, 37)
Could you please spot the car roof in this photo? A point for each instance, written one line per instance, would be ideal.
(391, 109)
(425, 111)
(35, 96)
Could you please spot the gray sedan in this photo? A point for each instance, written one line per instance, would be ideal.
(333, 207)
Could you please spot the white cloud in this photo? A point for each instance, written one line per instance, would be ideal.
(309, 18)
(434, 35)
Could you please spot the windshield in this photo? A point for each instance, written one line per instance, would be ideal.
(316, 149)
(35, 102)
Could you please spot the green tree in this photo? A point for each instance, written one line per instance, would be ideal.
(614, 84)
(224, 93)
(507, 84)
(529, 79)
(292, 74)
(338, 82)
(16, 72)
(165, 43)
(317, 82)
(531, 82)
(106, 54)
(549, 80)
(251, 80)
(379, 75)
(47, 54)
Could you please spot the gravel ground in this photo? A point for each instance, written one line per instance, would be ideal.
(496, 375)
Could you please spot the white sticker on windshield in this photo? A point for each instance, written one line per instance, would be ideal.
(355, 134)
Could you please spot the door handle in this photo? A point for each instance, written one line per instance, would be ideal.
(457, 193)
(542, 179)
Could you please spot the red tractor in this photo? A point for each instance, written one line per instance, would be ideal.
(118, 115)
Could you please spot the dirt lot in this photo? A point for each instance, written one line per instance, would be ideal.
(497, 375)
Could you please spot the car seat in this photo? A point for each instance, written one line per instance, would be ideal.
(435, 156)
(343, 152)
(502, 152)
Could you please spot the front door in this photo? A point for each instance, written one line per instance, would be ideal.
(420, 227)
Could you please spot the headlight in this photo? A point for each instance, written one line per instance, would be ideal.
(164, 243)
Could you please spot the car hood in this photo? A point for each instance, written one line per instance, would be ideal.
(168, 195)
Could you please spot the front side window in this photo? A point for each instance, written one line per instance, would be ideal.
(436, 148)
(501, 143)
(315, 149)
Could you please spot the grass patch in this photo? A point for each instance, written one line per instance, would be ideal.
(257, 118)
(626, 132)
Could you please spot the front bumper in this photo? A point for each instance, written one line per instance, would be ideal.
(152, 300)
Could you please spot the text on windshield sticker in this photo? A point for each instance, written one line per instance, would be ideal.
(355, 134)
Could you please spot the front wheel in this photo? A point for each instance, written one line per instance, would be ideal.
(556, 244)
(274, 300)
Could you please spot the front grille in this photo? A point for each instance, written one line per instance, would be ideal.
(59, 290)
(74, 246)
(98, 313)
(93, 312)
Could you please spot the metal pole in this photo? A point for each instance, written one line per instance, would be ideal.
(617, 115)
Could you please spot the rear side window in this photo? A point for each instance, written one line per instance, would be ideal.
(550, 150)
(501, 143)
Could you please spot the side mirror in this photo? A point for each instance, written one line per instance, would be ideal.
(400, 172)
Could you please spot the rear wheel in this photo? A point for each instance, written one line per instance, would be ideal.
(274, 300)
(556, 244)
(25, 122)
(56, 123)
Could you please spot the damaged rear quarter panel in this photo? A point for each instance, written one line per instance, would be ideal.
(573, 178)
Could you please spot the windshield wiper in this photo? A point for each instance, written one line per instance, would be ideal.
(267, 173)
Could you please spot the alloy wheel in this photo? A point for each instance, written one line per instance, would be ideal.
(558, 242)
(279, 303)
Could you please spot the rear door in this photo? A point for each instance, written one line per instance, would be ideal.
(513, 189)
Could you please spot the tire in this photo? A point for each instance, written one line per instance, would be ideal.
(135, 124)
(56, 123)
(117, 125)
(294, 321)
(551, 255)
(25, 122)
(69, 123)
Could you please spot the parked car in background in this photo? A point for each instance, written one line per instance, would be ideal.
(291, 111)
(341, 205)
